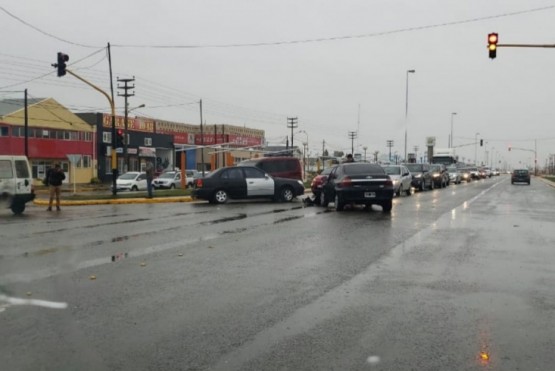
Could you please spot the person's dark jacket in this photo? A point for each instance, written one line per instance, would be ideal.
(55, 177)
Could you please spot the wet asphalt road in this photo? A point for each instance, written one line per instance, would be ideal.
(454, 279)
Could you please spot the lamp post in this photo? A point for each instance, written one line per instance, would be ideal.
(125, 143)
(407, 109)
(305, 148)
(365, 148)
(451, 141)
(476, 150)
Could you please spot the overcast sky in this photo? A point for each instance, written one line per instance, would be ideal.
(343, 67)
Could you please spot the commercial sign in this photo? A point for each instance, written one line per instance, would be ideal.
(134, 124)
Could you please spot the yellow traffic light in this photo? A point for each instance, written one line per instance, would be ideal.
(493, 38)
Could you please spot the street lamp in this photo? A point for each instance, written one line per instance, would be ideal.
(125, 154)
(407, 109)
(305, 148)
(451, 141)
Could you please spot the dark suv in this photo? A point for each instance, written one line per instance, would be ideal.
(282, 167)
(440, 175)
(421, 176)
(520, 176)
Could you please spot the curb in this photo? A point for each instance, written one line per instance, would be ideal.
(142, 200)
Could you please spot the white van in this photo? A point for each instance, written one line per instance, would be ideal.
(16, 183)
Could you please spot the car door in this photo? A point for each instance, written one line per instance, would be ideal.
(258, 183)
(329, 185)
(7, 177)
(141, 181)
(177, 180)
(233, 182)
(406, 178)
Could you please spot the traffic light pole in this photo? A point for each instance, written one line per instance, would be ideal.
(526, 45)
(113, 108)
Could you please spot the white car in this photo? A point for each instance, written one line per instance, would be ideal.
(169, 179)
(131, 181)
(16, 183)
(401, 178)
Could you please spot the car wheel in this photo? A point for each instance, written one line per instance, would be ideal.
(432, 185)
(339, 203)
(528, 182)
(220, 196)
(408, 192)
(172, 186)
(18, 207)
(421, 188)
(134, 188)
(286, 194)
(399, 191)
(387, 206)
(323, 199)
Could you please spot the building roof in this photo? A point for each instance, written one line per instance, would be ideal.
(42, 112)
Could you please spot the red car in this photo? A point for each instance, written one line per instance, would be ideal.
(318, 182)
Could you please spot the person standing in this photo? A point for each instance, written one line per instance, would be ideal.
(54, 178)
(349, 158)
(149, 177)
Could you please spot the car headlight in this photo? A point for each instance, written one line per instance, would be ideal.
(300, 183)
(418, 175)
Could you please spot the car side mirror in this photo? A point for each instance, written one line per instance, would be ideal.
(406, 174)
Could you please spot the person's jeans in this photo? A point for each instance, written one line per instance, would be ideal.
(149, 187)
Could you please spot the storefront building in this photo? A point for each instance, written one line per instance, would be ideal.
(54, 134)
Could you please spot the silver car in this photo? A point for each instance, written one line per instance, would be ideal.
(455, 175)
(401, 178)
(169, 179)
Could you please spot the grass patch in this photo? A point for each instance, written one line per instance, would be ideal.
(551, 178)
(125, 194)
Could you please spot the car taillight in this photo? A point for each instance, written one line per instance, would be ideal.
(346, 182)
(198, 183)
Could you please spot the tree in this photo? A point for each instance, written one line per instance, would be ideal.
(338, 153)
(326, 153)
(376, 156)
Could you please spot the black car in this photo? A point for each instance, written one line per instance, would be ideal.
(245, 182)
(358, 183)
(440, 175)
(421, 176)
(520, 176)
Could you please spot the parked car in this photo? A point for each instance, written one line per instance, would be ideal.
(455, 174)
(401, 177)
(520, 176)
(439, 175)
(283, 167)
(318, 182)
(131, 181)
(358, 183)
(421, 176)
(245, 182)
(191, 175)
(16, 183)
(169, 180)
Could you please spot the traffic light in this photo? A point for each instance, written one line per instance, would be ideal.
(481, 142)
(61, 65)
(492, 44)
(119, 139)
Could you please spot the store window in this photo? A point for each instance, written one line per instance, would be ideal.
(4, 131)
(106, 137)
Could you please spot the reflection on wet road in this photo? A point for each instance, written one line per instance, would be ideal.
(459, 278)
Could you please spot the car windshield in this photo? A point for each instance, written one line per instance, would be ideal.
(452, 169)
(392, 170)
(128, 176)
(414, 167)
(521, 172)
(169, 175)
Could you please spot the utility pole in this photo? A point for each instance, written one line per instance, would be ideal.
(323, 154)
(126, 94)
(201, 140)
(352, 136)
(389, 143)
(292, 124)
(26, 126)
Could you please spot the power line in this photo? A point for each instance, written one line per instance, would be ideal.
(292, 42)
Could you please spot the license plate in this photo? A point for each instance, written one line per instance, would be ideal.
(369, 194)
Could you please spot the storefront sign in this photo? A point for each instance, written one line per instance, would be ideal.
(147, 152)
(133, 124)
